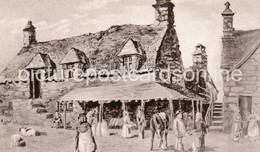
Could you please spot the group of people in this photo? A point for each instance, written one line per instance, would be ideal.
(245, 127)
(128, 124)
(181, 124)
(180, 130)
(88, 128)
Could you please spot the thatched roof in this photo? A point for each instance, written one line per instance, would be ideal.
(131, 47)
(129, 90)
(74, 56)
(239, 47)
(100, 48)
(41, 61)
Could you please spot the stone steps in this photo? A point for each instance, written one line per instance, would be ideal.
(216, 109)
(217, 120)
(216, 128)
(217, 112)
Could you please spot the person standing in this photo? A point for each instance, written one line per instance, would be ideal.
(92, 117)
(202, 129)
(56, 120)
(84, 139)
(253, 129)
(237, 126)
(141, 122)
(198, 119)
(245, 123)
(127, 125)
(180, 132)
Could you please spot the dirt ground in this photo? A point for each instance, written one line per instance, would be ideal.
(60, 140)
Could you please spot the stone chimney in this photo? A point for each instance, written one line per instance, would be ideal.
(29, 34)
(164, 12)
(228, 21)
(200, 57)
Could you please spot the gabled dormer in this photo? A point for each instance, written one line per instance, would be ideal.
(75, 61)
(131, 55)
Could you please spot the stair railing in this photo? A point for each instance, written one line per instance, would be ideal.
(209, 114)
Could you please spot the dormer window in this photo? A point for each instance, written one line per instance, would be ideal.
(130, 56)
(74, 63)
(127, 63)
(39, 62)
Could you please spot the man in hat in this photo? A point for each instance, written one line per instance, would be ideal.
(179, 130)
(202, 129)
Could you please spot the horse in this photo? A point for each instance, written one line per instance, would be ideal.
(159, 124)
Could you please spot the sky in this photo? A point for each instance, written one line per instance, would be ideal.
(197, 21)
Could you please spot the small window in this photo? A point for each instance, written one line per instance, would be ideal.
(61, 107)
(70, 107)
(70, 74)
(65, 67)
(70, 66)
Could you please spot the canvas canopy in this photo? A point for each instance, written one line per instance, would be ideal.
(124, 91)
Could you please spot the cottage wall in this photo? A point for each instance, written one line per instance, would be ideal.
(248, 86)
(17, 90)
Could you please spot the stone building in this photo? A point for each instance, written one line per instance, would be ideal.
(142, 47)
(36, 67)
(240, 52)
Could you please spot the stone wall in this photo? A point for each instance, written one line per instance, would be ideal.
(25, 113)
(15, 90)
(169, 56)
(248, 86)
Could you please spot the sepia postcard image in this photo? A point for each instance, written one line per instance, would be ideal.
(129, 75)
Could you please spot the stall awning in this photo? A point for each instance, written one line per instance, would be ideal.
(125, 91)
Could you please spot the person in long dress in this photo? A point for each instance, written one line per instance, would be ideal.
(56, 120)
(198, 118)
(253, 129)
(84, 140)
(126, 131)
(141, 122)
(237, 126)
(92, 118)
(180, 132)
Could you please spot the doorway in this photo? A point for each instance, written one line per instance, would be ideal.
(35, 85)
(245, 105)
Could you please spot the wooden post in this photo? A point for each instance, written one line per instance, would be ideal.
(123, 106)
(57, 106)
(171, 112)
(197, 105)
(100, 111)
(143, 104)
(84, 106)
(201, 106)
(193, 112)
(65, 110)
(180, 105)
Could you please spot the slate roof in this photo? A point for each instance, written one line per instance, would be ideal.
(238, 48)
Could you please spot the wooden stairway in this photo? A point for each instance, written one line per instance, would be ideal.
(218, 116)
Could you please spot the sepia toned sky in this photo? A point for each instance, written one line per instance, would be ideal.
(197, 21)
